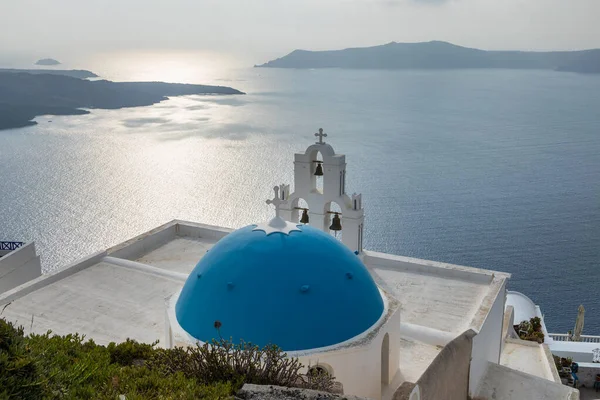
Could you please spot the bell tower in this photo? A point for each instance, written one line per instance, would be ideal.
(319, 162)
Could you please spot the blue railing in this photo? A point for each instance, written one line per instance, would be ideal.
(10, 246)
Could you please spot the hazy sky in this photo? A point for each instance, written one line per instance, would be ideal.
(267, 28)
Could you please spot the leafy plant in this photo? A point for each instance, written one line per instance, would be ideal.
(566, 362)
(531, 330)
(223, 361)
(69, 367)
(130, 351)
(561, 363)
(19, 377)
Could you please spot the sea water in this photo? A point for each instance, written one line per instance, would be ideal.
(495, 169)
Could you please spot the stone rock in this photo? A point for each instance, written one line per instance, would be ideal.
(268, 392)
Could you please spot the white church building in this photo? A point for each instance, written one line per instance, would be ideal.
(386, 326)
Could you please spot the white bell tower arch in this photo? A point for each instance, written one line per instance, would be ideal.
(333, 191)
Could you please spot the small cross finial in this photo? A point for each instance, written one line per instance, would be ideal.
(321, 135)
(277, 201)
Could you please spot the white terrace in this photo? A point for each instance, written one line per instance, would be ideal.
(453, 335)
(120, 293)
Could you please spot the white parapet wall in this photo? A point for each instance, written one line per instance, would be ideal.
(151, 240)
(501, 382)
(19, 266)
(477, 298)
(487, 344)
(365, 365)
(144, 243)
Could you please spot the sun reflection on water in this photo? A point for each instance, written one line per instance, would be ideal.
(442, 179)
(200, 67)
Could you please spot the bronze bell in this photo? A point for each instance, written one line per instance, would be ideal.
(304, 218)
(336, 223)
(319, 170)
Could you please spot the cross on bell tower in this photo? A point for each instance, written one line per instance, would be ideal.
(321, 135)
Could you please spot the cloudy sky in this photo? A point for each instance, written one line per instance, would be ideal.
(267, 28)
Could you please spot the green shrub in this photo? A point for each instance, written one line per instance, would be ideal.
(19, 377)
(69, 367)
(130, 351)
(531, 330)
(223, 361)
(536, 324)
(560, 363)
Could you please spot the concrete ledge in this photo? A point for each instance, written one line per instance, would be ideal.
(17, 257)
(508, 330)
(446, 377)
(521, 342)
(176, 276)
(427, 267)
(494, 291)
(431, 336)
(551, 364)
(45, 280)
(197, 230)
(269, 392)
(144, 243)
(149, 241)
(19, 267)
(503, 383)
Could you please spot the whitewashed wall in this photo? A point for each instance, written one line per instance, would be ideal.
(19, 266)
(359, 368)
(487, 345)
(357, 364)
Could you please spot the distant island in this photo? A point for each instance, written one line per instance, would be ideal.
(438, 55)
(74, 73)
(23, 96)
(47, 61)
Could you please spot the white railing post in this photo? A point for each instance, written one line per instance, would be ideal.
(565, 337)
(559, 337)
(590, 339)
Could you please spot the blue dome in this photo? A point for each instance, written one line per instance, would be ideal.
(299, 291)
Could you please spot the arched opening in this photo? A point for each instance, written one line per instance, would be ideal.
(320, 369)
(385, 361)
(300, 203)
(331, 208)
(316, 159)
(320, 375)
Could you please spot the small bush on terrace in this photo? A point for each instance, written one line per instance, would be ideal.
(531, 330)
(223, 361)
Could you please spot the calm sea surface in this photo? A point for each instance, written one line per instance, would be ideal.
(492, 169)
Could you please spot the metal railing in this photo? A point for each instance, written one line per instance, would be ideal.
(565, 337)
(560, 337)
(10, 246)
